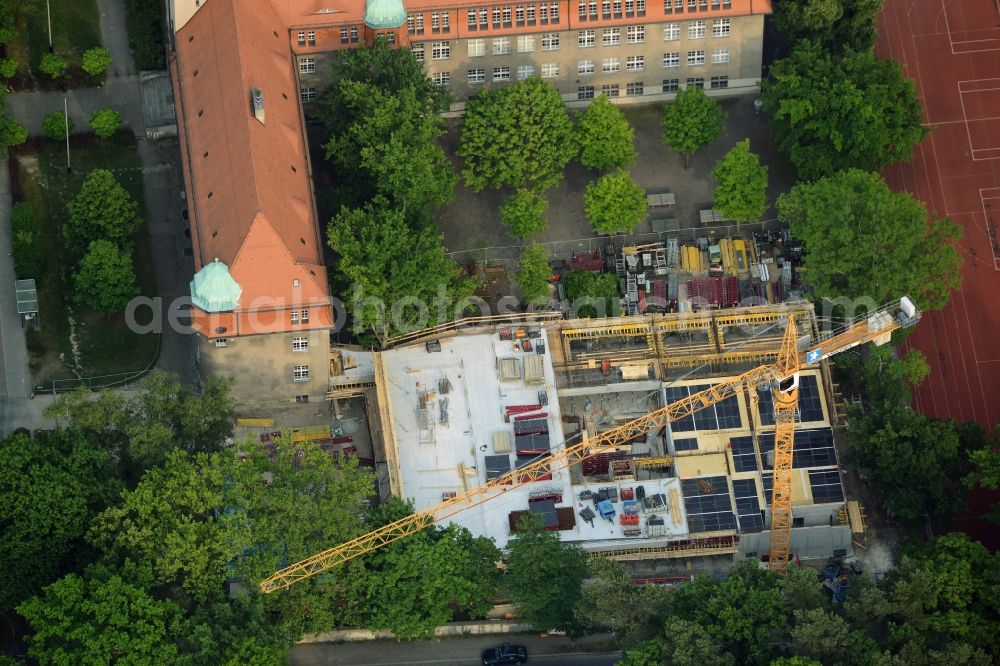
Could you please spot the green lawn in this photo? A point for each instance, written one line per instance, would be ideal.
(76, 27)
(104, 345)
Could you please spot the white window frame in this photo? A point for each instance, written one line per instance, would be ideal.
(550, 70)
(418, 51)
(311, 38)
(696, 30)
(221, 342)
(300, 344)
(506, 15)
(696, 58)
(440, 50)
(719, 82)
(550, 41)
(635, 89)
(441, 78)
(585, 92)
(501, 46)
(609, 65)
(525, 72)
(720, 56)
(586, 39)
(585, 67)
(611, 36)
(722, 27)
(671, 86)
(611, 90)
(301, 38)
(477, 48)
(501, 73)
(636, 34)
(300, 373)
(307, 94)
(635, 63)
(307, 65)
(525, 43)
(671, 60)
(671, 32)
(477, 75)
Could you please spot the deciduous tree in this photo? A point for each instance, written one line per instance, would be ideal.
(839, 25)
(105, 281)
(533, 276)
(387, 141)
(56, 125)
(395, 270)
(863, 240)
(592, 294)
(544, 577)
(830, 113)
(523, 214)
(142, 429)
(915, 462)
(49, 491)
(105, 123)
(418, 583)
(103, 210)
(53, 65)
(391, 70)
(516, 136)
(89, 620)
(604, 136)
(96, 61)
(612, 600)
(614, 203)
(740, 184)
(175, 525)
(691, 122)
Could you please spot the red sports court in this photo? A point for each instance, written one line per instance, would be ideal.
(952, 49)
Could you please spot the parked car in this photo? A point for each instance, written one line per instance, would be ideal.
(505, 654)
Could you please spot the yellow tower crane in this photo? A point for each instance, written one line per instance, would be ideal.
(781, 377)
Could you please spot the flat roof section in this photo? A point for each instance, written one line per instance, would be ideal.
(447, 408)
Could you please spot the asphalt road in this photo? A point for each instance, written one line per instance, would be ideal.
(551, 651)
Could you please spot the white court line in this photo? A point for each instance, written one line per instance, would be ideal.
(952, 42)
(986, 220)
(965, 116)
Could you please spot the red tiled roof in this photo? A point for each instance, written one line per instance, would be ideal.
(249, 192)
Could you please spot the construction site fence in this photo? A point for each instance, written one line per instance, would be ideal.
(564, 250)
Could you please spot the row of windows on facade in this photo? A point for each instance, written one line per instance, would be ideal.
(550, 42)
(506, 16)
(551, 70)
(299, 343)
(297, 316)
(525, 14)
(632, 63)
(637, 88)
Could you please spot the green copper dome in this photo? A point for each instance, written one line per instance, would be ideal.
(384, 14)
(213, 289)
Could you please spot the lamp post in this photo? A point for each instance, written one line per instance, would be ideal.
(66, 121)
(48, 15)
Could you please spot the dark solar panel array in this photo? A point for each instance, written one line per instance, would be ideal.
(725, 414)
(747, 505)
(810, 403)
(497, 466)
(686, 444)
(813, 448)
(826, 486)
(675, 393)
(708, 505)
(744, 458)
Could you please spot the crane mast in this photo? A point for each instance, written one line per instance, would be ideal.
(877, 327)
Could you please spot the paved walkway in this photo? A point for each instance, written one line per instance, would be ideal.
(162, 181)
(115, 37)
